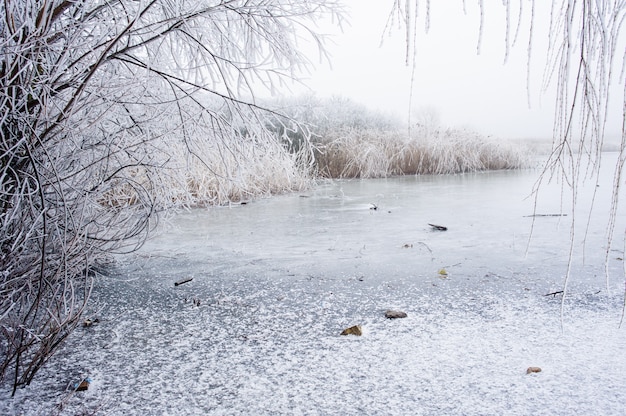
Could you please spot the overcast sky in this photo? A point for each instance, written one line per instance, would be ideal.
(463, 88)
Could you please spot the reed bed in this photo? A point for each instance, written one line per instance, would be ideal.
(337, 139)
(372, 153)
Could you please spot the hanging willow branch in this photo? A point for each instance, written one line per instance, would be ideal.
(586, 55)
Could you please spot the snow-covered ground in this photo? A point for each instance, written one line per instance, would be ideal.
(276, 281)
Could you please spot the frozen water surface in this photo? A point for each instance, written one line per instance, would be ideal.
(256, 332)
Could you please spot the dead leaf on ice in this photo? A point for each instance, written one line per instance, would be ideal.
(533, 370)
(83, 385)
(353, 330)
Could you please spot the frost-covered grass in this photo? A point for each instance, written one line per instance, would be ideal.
(217, 174)
(212, 171)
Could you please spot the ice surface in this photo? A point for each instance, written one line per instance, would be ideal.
(279, 279)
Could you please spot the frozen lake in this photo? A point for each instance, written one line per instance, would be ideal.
(275, 281)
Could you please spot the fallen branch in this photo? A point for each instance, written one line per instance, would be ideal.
(438, 227)
(545, 215)
(553, 294)
(180, 282)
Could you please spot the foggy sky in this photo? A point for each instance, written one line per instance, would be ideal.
(463, 88)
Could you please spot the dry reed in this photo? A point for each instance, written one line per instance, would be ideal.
(370, 153)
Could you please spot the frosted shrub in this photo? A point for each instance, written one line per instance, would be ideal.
(112, 112)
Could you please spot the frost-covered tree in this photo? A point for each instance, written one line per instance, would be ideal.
(586, 54)
(95, 95)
